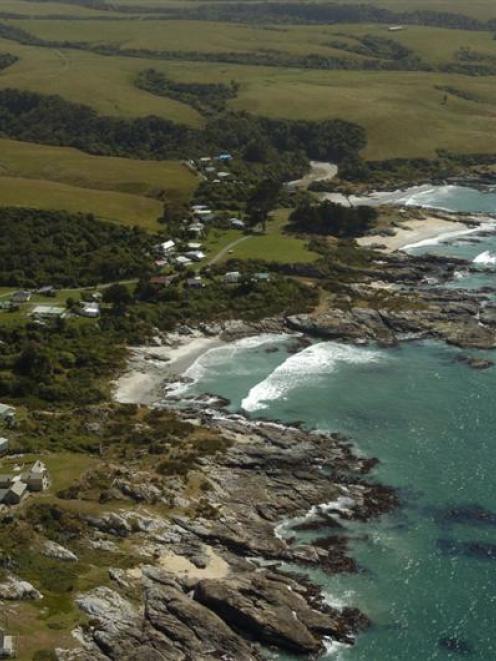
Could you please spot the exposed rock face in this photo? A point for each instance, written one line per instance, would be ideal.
(15, 589)
(268, 608)
(58, 552)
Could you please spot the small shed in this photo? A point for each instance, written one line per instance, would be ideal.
(7, 646)
(15, 493)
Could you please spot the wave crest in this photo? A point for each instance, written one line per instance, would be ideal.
(321, 358)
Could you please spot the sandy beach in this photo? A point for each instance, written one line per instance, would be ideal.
(149, 367)
(416, 231)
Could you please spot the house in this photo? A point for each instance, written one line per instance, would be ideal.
(37, 479)
(167, 246)
(237, 223)
(194, 283)
(203, 212)
(21, 296)
(193, 245)
(182, 260)
(7, 413)
(195, 229)
(223, 175)
(4, 445)
(224, 157)
(48, 312)
(89, 309)
(47, 290)
(198, 207)
(205, 159)
(7, 647)
(14, 494)
(195, 255)
(232, 277)
(396, 28)
(6, 481)
(210, 169)
(262, 277)
(5, 305)
(162, 280)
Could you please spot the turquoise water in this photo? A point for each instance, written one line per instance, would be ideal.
(431, 421)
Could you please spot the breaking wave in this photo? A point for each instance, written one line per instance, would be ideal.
(216, 359)
(321, 358)
(485, 258)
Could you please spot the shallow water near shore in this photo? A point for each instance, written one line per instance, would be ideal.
(428, 568)
(431, 421)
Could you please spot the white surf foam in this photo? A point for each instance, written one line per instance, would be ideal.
(218, 357)
(321, 358)
(485, 258)
(439, 238)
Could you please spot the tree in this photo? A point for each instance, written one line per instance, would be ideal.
(262, 200)
(119, 296)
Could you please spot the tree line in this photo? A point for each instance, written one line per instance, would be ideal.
(52, 120)
(332, 219)
(68, 250)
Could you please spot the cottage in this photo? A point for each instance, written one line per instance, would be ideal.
(195, 255)
(167, 246)
(7, 647)
(237, 223)
(198, 207)
(223, 175)
(193, 245)
(89, 309)
(232, 277)
(195, 229)
(262, 277)
(48, 312)
(14, 494)
(47, 290)
(194, 283)
(162, 280)
(224, 157)
(182, 260)
(7, 413)
(37, 479)
(205, 159)
(396, 28)
(203, 212)
(4, 445)
(21, 296)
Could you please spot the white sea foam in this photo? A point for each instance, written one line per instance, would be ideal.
(485, 258)
(439, 238)
(333, 648)
(321, 358)
(219, 357)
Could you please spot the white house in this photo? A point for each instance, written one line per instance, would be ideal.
(89, 309)
(182, 260)
(47, 311)
(232, 277)
(195, 255)
(237, 223)
(37, 479)
(167, 246)
(194, 245)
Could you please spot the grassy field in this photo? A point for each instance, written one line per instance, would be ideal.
(116, 189)
(74, 167)
(403, 112)
(107, 205)
(274, 246)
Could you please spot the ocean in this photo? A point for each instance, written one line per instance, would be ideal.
(427, 576)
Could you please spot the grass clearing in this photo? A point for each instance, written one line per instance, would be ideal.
(71, 166)
(106, 205)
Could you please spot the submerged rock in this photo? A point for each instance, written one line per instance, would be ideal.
(456, 645)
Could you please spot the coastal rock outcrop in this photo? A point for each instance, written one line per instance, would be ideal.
(15, 589)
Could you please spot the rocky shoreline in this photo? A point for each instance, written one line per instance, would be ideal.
(270, 482)
(269, 473)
